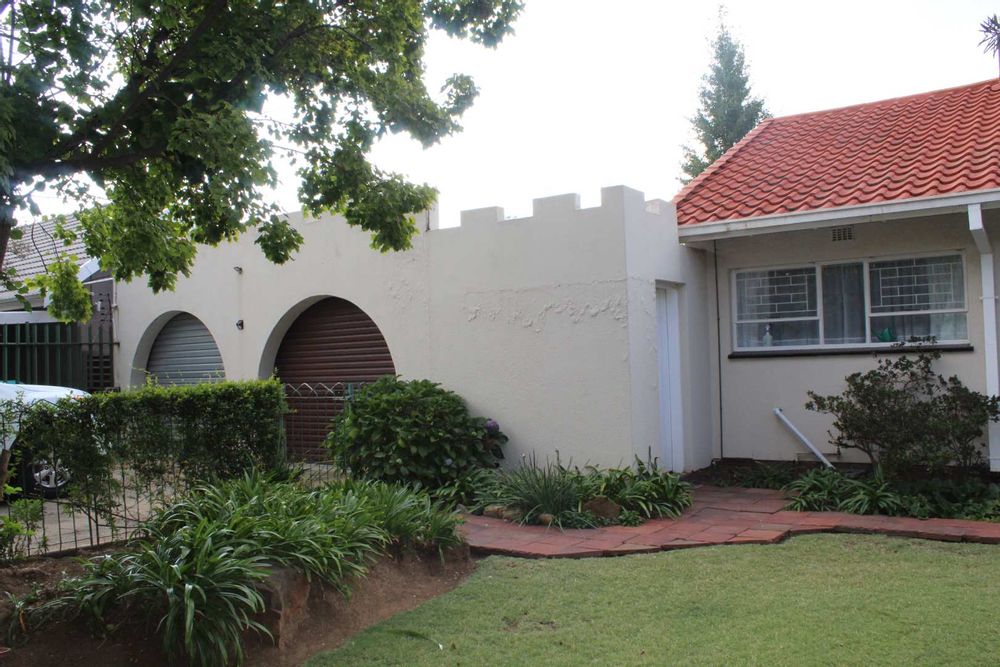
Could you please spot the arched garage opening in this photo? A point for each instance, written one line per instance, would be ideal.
(184, 352)
(330, 349)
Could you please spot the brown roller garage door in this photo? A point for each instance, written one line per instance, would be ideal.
(331, 347)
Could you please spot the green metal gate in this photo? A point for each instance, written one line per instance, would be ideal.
(67, 355)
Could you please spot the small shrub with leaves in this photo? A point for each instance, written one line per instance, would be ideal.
(950, 498)
(412, 432)
(19, 528)
(903, 415)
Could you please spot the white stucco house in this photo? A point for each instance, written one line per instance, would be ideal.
(637, 328)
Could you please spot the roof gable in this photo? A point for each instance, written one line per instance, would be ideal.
(932, 144)
(38, 247)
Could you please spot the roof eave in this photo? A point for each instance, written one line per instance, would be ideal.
(843, 215)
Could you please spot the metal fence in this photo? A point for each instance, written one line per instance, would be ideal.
(311, 408)
(69, 526)
(65, 526)
(67, 355)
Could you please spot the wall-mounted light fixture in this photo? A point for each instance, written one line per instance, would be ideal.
(239, 324)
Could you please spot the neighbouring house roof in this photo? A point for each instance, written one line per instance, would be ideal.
(939, 143)
(30, 254)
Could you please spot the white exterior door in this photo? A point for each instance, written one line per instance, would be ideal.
(669, 355)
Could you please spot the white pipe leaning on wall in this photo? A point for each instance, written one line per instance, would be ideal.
(985, 248)
(805, 441)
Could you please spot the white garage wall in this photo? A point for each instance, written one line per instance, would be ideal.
(546, 323)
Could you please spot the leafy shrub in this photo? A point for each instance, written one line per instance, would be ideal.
(412, 432)
(950, 499)
(578, 519)
(196, 568)
(18, 528)
(902, 415)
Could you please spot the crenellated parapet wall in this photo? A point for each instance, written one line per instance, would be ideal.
(546, 323)
(564, 207)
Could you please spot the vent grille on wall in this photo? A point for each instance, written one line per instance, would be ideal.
(845, 233)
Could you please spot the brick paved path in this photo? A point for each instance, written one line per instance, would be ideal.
(717, 516)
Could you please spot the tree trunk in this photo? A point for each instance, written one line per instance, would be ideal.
(6, 223)
(4, 470)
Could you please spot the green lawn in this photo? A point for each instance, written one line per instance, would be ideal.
(820, 599)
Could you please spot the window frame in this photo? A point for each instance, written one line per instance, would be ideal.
(866, 286)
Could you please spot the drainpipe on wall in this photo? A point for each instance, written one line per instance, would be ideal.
(989, 323)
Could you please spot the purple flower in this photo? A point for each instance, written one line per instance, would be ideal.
(492, 427)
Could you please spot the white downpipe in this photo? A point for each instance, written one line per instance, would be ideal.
(989, 323)
(805, 441)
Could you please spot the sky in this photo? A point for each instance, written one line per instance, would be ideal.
(590, 93)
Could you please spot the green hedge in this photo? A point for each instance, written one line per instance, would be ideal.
(167, 436)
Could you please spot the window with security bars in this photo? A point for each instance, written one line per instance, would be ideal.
(777, 307)
(830, 304)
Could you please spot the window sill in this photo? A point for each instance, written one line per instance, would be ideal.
(834, 352)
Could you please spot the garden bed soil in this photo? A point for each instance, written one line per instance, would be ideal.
(392, 585)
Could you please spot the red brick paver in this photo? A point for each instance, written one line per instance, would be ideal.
(717, 516)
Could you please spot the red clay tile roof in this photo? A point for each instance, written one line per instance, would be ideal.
(938, 143)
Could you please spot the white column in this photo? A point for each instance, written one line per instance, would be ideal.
(989, 323)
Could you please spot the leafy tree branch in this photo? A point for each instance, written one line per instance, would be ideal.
(157, 103)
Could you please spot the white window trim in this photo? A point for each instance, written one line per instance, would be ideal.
(818, 267)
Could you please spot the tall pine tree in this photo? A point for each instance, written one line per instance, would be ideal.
(727, 111)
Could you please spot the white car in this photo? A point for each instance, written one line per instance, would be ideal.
(40, 474)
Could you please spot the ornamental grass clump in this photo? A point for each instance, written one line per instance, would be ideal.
(534, 491)
(827, 489)
(560, 494)
(194, 573)
(644, 489)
